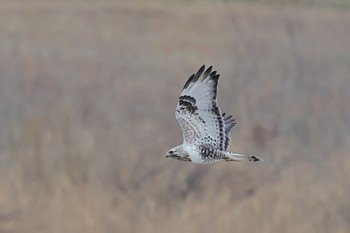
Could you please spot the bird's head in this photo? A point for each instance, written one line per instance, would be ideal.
(173, 153)
(177, 153)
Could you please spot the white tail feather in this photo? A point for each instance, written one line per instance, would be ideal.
(239, 157)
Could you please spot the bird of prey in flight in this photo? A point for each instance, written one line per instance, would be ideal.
(206, 130)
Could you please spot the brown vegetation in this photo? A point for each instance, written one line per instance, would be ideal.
(87, 98)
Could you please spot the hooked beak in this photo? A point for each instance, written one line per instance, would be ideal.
(168, 155)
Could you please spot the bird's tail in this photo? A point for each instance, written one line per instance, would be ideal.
(238, 157)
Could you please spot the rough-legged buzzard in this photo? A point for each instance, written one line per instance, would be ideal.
(206, 130)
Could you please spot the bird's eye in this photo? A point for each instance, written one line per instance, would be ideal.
(171, 152)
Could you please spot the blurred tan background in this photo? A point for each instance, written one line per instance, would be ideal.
(88, 91)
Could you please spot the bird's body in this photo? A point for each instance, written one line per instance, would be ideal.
(206, 131)
(207, 155)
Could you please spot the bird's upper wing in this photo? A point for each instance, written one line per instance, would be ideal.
(198, 113)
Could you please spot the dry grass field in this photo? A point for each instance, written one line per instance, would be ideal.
(88, 91)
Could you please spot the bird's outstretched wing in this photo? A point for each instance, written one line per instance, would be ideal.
(198, 113)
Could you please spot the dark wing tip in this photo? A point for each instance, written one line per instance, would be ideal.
(201, 69)
(199, 73)
(230, 120)
(215, 78)
(188, 81)
(194, 77)
(206, 73)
